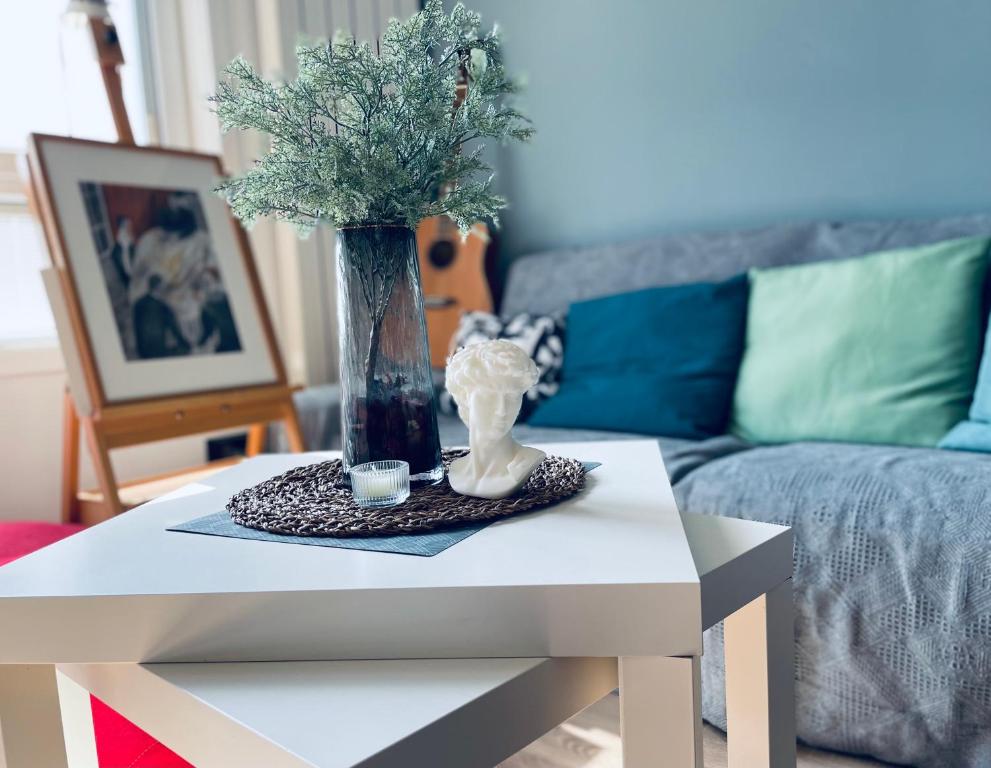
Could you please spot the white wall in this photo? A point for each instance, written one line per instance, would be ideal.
(677, 115)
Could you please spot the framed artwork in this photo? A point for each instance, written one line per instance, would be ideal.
(159, 282)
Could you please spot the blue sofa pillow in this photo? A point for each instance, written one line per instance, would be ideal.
(975, 433)
(661, 361)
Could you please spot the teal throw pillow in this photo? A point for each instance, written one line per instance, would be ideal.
(660, 361)
(878, 349)
(975, 433)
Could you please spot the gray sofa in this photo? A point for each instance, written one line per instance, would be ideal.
(893, 545)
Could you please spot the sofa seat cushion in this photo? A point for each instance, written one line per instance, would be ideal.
(320, 413)
(680, 456)
(892, 592)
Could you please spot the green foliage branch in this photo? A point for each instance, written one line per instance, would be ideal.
(365, 137)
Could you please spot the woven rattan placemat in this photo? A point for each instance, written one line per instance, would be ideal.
(313, 501)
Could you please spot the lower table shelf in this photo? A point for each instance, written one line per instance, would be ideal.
(436, 712)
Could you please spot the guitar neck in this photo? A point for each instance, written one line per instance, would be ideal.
(461, 83)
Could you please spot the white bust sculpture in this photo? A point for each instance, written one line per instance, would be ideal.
(487, 381)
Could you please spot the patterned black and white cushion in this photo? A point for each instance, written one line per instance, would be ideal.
(540, 336)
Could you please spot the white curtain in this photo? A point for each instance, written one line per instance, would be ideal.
(189, 43)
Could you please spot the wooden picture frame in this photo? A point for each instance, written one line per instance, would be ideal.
(109, 420)
(80, 305)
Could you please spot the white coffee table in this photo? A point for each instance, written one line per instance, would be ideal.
(609, 575)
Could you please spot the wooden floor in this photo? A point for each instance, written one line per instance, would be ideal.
(591, 740)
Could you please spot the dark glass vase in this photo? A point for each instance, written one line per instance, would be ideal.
(388, 408)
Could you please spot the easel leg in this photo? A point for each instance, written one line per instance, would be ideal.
(104, 470)
(660, 711)
(760, 682)
(30, 718)
(256, 439)
(70, 460)
(293, 431)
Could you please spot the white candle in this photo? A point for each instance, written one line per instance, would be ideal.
(379, 486)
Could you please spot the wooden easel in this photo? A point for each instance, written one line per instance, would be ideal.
(108, 426)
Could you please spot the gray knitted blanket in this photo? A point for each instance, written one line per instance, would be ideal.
(892, 592)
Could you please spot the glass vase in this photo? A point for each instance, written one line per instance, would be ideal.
(388, 408)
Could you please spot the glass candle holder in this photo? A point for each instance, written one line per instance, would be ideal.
(380, 483)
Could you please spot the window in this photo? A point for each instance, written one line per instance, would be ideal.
(24, 313)
(63, 95)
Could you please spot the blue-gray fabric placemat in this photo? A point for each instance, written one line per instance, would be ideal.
(421, 544)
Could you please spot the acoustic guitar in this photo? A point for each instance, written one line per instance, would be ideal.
(453, 275)
(452, 269)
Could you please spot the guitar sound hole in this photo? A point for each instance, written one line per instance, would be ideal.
(441, 254)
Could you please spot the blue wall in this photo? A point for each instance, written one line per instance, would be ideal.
(662, 115)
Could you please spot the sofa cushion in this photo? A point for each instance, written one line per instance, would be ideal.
(892, 592)
(969, 435)
(974, 434)
(550, 281)
(553, 280)
(319, 411)
(680, 456)
(540, 336)
(661, 361)
(880, 349)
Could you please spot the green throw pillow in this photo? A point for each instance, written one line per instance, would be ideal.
(879, 349)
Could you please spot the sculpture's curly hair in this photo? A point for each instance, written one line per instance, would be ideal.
(499, 365)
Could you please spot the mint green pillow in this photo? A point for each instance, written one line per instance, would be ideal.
(879, 349)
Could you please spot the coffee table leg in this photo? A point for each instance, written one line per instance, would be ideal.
(760, 682)
(77, 723)
(30, 719)
(660, 711)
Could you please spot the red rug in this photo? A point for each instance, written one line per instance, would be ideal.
(119, 742)
(19, 539)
